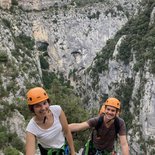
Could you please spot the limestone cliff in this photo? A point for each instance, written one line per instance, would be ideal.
(73, 39)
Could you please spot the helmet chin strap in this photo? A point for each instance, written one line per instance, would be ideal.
(44, 120)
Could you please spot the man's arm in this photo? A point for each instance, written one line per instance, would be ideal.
(67, 132)
(124, 145)
(74, 127)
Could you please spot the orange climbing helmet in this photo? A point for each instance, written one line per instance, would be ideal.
(102, 110)
(113, 102)
(36, 95)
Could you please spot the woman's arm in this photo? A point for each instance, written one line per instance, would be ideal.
(67, 132)
(30, 143)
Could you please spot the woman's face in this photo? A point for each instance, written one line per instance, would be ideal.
(41, 108)
(110, 112)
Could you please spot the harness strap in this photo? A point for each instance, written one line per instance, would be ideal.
(87, 146)
(102, 152)
(54, 151)
(90, 149)
(57, 151)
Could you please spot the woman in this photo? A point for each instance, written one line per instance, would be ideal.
(48, 127)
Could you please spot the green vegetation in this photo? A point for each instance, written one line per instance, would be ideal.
(94, 15)
(11, 151)
(139, 42)
(61, 93)
(3, 56)
(43, 46)
(72, 106)
(6, 23)
(71, 103)
(125, 50)
(7, 138)
(3, 92)
(44, 63)
(25, 43)
(140, 38)
(48, 78)
(14, 2)
(152, 151)
(101, 62)
(123, 93)
(72, 74)
(21, 105)
(11, 139)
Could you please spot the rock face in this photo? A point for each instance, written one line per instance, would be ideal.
(15, 123)
(5, 4)
(39, 4)
(74, 41)
(73, 36)
(39, 31)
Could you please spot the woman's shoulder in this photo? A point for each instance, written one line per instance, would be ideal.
(31, 124)
(31, 121)
(55, 108)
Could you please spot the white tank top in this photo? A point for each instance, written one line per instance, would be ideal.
(52, 137)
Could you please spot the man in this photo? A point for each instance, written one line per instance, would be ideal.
(104, 138)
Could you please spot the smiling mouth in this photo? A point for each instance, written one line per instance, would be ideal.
(42, 112)
(109, 116)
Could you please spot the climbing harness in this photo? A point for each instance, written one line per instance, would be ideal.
(64, 150)
(89, 148)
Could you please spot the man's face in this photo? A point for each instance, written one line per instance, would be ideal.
(110, 112)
